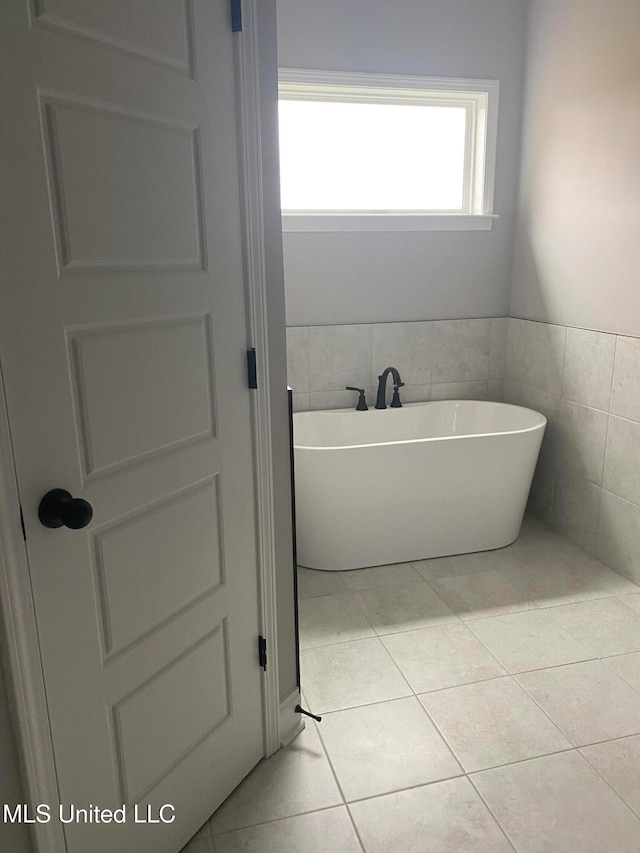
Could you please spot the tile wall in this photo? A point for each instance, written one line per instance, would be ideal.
(587, 384)
(442, 359)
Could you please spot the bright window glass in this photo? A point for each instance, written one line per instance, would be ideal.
(373, 157)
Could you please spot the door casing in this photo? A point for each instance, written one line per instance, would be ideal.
(20, 640)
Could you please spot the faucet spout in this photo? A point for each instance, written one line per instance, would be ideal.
(382, 388)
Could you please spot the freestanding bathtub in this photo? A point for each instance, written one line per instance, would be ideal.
(427, 480)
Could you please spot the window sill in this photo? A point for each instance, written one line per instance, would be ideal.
(387, 222)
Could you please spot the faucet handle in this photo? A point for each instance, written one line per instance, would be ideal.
(362, 403)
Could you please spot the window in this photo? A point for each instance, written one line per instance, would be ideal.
(372, 152)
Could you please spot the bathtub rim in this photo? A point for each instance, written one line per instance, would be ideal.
(542, 424)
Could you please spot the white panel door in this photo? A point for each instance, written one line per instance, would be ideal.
(122, 338)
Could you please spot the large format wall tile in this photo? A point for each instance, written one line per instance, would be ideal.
(625, 394)
(472, 390)
(298, 358)
(619, 535)
(576, 511)
(461, 350)
(535, 355)
(622, 461)
(439, 360)
(406, 346)
(582, 439)
(339, 356)
(587, 482)
(588, 368)
(498, 347)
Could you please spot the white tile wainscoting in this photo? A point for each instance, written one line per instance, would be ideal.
(437, 360)
(587, 384)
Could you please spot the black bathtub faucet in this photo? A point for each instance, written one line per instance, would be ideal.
(382, 388)
(362, 403)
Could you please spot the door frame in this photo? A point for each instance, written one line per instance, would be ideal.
(19, 643)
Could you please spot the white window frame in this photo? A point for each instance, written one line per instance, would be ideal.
(480, 99)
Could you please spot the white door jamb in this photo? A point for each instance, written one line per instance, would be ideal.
(21, 649)
(251, 191)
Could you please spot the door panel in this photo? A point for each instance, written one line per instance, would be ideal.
(155, 30)
(122, 338)
(162, 371)
(135, 596)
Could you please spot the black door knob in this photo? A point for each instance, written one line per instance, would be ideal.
(59, 509)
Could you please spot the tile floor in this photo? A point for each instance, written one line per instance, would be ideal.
(487, 703)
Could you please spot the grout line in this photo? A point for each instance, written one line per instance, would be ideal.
(339, 786)
(564, 366)
(278, 819)
(491, 812)
(355, 828)
(613, 370)
(608, 740)
(330, 763)
(442, 736)
(622, 678)
(453, 621)
(394, 662)
(605, 780)
(460, 775)
(546, 713)
(606, 594)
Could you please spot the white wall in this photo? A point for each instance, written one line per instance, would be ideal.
(577, 250)
(368, 278)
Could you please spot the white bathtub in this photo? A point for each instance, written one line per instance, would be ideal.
(427, 480)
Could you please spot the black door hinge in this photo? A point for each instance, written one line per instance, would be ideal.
(236, 16)
(252, 371)
(262, 653)
(24, 532)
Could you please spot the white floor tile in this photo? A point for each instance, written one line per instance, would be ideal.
(379, 576)
(396, 760)
(587, 701)
(492, 723)
(295, 780)
(553, 585)
(447, 817)
(318, 832)
(462, 564)
(331, 619)
(632, 601)
(404, 608)
(350, 674)
(627, 667)
(610, 581)
(199, 844)
(385, 747)
(558, 804)
(313, 583)
(618, 761)
(481, 595)
(445, 656)
(540, 550)
(606, 627)
(529, 640)
(532, 525)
